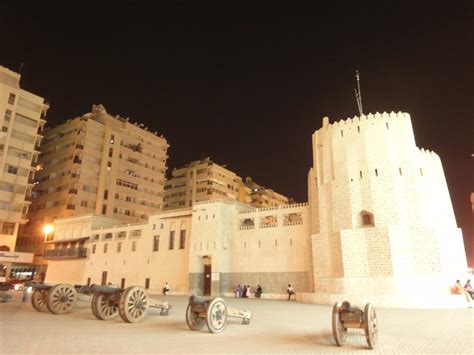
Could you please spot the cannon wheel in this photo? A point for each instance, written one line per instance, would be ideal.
(133, 304)
(216, 317)
(103, 307)
(370, 326)
(338, 330)
(61, 298)
(193, 320)
(38, 300)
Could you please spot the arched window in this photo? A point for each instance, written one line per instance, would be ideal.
(367, 219)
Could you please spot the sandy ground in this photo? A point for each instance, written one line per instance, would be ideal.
(277, 327)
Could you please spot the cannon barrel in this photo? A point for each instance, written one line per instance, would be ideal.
(39, 286)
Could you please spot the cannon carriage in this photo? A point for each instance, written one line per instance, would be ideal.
(213, 313)
(107, 302)
(345, 316)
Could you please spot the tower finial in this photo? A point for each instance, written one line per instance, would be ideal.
(358, 94)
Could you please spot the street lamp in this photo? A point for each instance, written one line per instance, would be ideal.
(47, 228)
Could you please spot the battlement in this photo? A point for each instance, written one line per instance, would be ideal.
(295, 205)
(366, 119)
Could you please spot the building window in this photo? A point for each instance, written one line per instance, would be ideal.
(93, 248)
(109, 165)
(8, 228)
(104, 209)
(111, 152)
(112, 139)
(182, 239)
(367, 219)
(4, 129)
(127, 212)
(156, 243)
(12, 169)
(8, 115)
(83, 203)
(106, 194)
(171, 243)
(119, 247)
(105, 248)
(11, 99)
(134, 245)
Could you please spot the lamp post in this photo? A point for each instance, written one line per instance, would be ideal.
(47, 228)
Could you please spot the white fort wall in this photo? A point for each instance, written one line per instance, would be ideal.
(268, 254)
(272, 251)
(371, 166)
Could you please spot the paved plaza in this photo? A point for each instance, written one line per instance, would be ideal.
(277, 327)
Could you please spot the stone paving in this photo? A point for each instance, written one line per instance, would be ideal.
(277, 327)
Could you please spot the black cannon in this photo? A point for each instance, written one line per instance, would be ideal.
(107, 301)
(345, 316)
(213, 312)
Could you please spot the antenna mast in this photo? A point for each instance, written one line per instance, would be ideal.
(358, 94)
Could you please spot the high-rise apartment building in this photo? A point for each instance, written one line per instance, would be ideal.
(96, 163)
(22, 116)
(262, 197)
(202, 180)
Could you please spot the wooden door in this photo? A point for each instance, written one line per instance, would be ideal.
(207, 280)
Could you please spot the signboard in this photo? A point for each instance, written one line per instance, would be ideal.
(215, 276)
(14, 257)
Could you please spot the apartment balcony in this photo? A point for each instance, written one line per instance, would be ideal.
(65, 253)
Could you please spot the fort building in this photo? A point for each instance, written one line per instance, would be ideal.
(378, 227)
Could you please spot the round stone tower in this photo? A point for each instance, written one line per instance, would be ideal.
(383, 226)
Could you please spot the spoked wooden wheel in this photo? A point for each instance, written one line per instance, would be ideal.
(216, 317)
(371, 326)
(61, 298)
(38, 300)
(104, 307)
(193, 320)
(338, 330)
(133, 304)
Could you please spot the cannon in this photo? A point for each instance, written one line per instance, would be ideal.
(345, 316)
(131, 303)
(213, 312)
(107, 302)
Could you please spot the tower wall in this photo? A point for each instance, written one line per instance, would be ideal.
(381, 211)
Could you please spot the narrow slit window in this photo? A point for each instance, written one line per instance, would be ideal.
(376, 172)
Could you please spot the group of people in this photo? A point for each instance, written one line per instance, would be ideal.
(244, 291)
(467, 290)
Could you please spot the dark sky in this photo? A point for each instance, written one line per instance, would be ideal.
(248, 84)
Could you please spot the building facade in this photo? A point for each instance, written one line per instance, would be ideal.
(262, 197)
(96, 163)
(379, 227)
(22, 115)
(202, 180)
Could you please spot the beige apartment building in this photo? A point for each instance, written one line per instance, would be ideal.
(96, 163)
(22, 116)
(205, 180)
(262, 197)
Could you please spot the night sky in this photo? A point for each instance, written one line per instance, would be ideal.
(248, 84)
